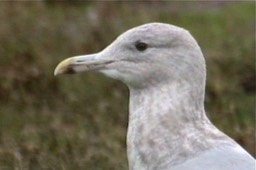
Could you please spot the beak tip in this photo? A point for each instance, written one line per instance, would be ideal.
(58, 70)
(55, 72)
(63, 67)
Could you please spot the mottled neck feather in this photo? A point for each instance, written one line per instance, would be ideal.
(167, 125)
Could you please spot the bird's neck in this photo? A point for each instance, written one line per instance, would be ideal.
(169, 105)
(159, 118)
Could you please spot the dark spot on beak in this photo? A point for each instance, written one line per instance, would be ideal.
(69, 70)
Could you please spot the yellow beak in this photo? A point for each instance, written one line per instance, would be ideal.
(80, 64)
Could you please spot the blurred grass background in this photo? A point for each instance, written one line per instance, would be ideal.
(79, 121)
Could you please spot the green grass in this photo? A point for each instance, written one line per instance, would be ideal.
(80, 121)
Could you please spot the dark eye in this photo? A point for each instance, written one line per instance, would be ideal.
(141, 46)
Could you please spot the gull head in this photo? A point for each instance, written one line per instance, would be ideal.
(144, 56)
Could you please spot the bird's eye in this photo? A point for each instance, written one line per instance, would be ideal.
(141, 46)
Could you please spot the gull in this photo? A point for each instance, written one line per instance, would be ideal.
(168, 129)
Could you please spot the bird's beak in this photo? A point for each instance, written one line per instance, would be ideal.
(82, 63)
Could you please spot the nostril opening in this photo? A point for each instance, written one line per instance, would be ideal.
(79, 61)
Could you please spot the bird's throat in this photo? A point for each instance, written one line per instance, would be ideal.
(157, 122)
